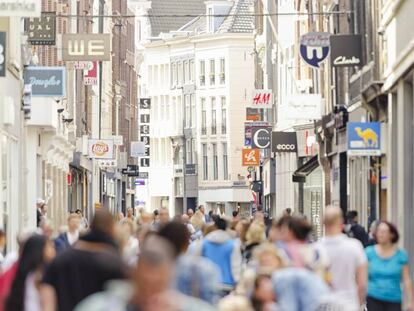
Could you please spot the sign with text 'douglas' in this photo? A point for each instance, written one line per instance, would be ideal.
(86, 47)
(46, 81)
(101, 148)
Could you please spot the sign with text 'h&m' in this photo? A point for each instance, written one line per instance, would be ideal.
(262, 99)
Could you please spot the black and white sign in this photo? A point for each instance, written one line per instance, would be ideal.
(46, 81)
(131, 170)
(145, 103)
(145, 118)
(190, 169)
(314, 47)
(346, 50)
(284, 142)
(261, 137)
(144, 129)
(143, 175)
(42, 31)
(145, 162)
(2, 54)
(145, 140)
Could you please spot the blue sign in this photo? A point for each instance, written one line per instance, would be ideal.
(314, 47)
(364, 138)
(46, 81)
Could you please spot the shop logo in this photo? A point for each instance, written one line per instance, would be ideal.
(86, 47)
(100, 148)
(314, 48)
(346, 50)
(285, 147)
(250, 157)
(261, 138)
(284, 142)
(369, 137)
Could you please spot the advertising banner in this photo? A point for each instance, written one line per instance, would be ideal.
(253, 114)
(42, 31)
(90, 76)
(364, 138)
(101, 148)
(46, 81)
(284, 142)
(250, 157)
(261, 137)
(86, 47)
(137, 149)
(346, 50)
(145, 103)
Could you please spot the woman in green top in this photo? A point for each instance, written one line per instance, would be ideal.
(387, 270)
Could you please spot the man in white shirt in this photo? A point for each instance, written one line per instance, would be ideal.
(348, 263)
(66, 239)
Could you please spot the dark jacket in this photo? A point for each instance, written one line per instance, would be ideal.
(356, 231)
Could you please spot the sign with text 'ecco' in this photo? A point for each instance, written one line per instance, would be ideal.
(86, 47)
(46, 81)
(284, 142)
(346, 50)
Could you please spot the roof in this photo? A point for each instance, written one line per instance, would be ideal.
(240, 20)
(173, 7)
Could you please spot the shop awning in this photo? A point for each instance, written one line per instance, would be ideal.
(300, 174)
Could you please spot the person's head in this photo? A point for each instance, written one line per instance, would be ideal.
(164, 215)
(268, 257)
(287, 212)
(235, 214)
(79, 212)
(185, 218)
(177, 234)
(263, 292)
(146, 218)
(44, 209)
(241, 229)
(255, 233)
(155, 269)
(211, 213)
(259, 216)
(333, 220)
(294, 228)
(141, 210)
(190, 212)
(119, 216)
(352, 216)
(46, 227)
(156, 214)
(73, 222)
(386, 233)
(103, 222)
(39, 203)
(197, 220)
(373, 227)
(220, 224)
(202, 209)
(37, 251)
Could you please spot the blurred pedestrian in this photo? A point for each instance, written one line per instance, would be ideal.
(234, 303)
(39, 211)
(235, 215)
(130, 244)
(150, 288)
(223, 250)
(84, 224)
(388, 272)
(130, 215)
(190, 213)
(201, 210)
(45, 228)
(354, 230)
(255, 235)
(37, 252)
(195, 276)
(84, 268)
(66, 239)
(348, 263)
(371, 234)
(186, 221)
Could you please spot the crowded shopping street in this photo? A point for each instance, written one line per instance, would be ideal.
(191, 155)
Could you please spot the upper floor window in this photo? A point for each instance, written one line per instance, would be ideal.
(212, 72)
(202, 73)
(222, 71)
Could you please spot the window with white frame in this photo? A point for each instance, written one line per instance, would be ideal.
(225, 162)
(210, 20)
(223, 115)
(202, 72)
(194, 151)
(215, 162)
(174, 75)
(205, 162)
(212, 72)
(222, 71)
(203, 116)
(193, 112)
(180, 73)
(186, 71)
(189, 154)
(187, 100)
(213, 116)
(192, 70)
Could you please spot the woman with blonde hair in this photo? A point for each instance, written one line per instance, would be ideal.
(255, 235)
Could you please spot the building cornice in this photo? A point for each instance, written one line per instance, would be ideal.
(389, 11)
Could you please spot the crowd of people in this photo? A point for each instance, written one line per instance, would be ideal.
(204, 261)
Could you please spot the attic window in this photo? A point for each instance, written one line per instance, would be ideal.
(210, 20)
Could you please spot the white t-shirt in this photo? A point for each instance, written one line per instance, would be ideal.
(72, 237)
(346, 255)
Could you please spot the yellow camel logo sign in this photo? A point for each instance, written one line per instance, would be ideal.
(369, 137)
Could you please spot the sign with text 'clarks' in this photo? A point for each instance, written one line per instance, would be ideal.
(46, 81)
(346, 50)
(86, 47)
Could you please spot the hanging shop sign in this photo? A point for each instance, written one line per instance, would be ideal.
(143, 175)
(303, 107)
(86, 47)
(262, 99)
(250, 157)
(261, 137)
(253, 114)
(131, 170)
(46, 81)
(364, 138)
(107, 163)
(3, 54)
(101, 148)
(190, 169)
(137, 149)
(42, 30)
(145, 162)
(284, 142)
(139, 182)
(90, 76)
(145, 103)
(20, 8)
(314, 48)
(346, 50)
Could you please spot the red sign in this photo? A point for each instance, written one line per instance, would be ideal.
(69, 179)
(250, 157)
(262, 99)
(90, 76)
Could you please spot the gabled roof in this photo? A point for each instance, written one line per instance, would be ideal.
(172, 7)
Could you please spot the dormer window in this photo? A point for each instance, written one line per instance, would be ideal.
(210, 20)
